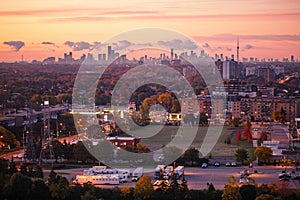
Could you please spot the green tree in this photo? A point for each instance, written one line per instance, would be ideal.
(60, 189)
(19, 187)
(248, 192)
(184, 188)
(52, 177)
(3, 175)
(241, 155)
(143, 188)
(80, 153)
(40, 190)
(264, 154)
(192, 155)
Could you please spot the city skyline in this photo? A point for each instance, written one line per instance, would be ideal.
(38, 30)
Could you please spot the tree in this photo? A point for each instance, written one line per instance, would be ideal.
(8, 139)
(211, 187)
(143, 188)
(60, 189)
(248, 192)
(125, 192)
(19, 187)
(241, 155)
(58, 149)
(191, 154)
(265, 197)
(231, 190)
(12, 168)
(3, 175)
(279, 115)
(238, 136)
(40, 190)
(247, 132)
(52, 177)
(80, 152)
(184, 188)
(264, 154)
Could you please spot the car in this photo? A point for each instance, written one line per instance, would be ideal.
(227, 164)
(157, 183)
(284, 175)
(233, 164)
(160, 182)
(217, 164)
(20, 155)
(296, 178)
(204, 165)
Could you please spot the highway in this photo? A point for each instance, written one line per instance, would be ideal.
(198, 178)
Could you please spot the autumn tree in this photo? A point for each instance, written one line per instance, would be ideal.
(125, 192)
(241, 155)
(238, 136)
(143, 188)
(165, 99)
(247, 132)
(231, 190)
(264, 154)
(279, 115)
(265, 197)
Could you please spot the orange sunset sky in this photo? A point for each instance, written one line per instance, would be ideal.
(38, 29)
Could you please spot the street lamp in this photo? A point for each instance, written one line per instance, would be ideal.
(2, 144)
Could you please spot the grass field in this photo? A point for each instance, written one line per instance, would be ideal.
(220, 149)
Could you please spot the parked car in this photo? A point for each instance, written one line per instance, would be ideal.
(217, 164)
(233, 164)
(227, 164)
(204, 165)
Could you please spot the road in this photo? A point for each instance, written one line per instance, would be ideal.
(198, 178)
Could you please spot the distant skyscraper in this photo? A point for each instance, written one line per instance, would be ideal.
(292, 58)
(109, 52)
(172, 54)
(238, 51)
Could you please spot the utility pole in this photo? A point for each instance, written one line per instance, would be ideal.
(29, 136)
(46, 148)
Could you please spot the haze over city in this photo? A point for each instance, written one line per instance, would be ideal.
(36, 30)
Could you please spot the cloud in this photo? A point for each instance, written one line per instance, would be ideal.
(125, 15)
(123, 44)
(69, 43)
(233, 38)
(249, 46)
(79, 46)
(206, 45)
(178, 44)
(50, 43)
(17, 45)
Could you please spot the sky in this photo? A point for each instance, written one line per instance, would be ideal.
(38, 29)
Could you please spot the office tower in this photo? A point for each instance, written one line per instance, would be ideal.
(237, 51)
(222, 58)
(99, 57)
(109, 53)
(172, 54)
(292, 58)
